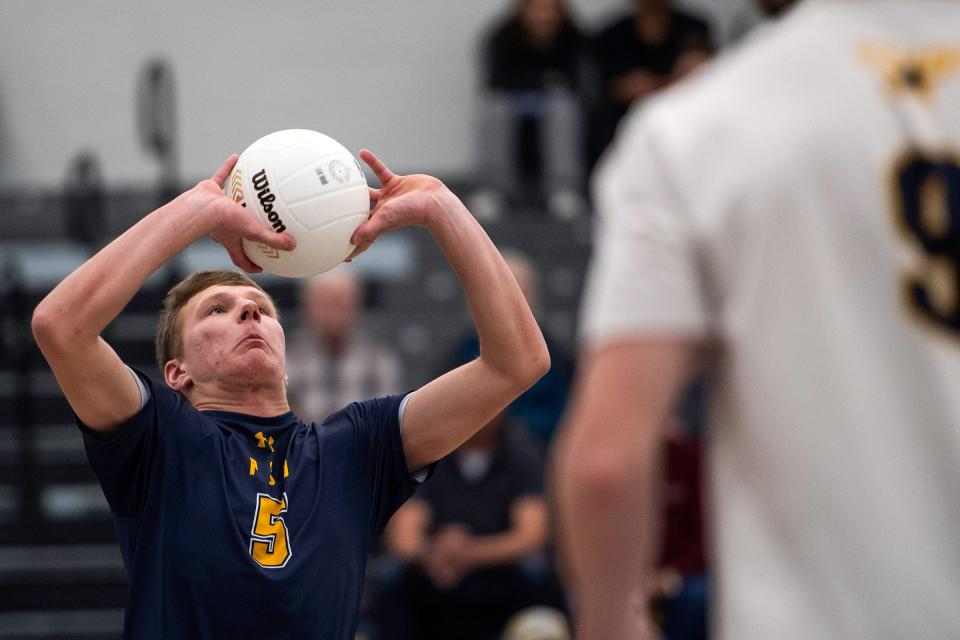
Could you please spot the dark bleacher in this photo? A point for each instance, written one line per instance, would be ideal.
(61, 575)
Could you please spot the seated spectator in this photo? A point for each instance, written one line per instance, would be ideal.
(532, 67)
(539, 408)
(329, 362)
(639, 54)
(752, 14)
(468, 542)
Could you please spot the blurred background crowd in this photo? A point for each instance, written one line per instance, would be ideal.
(472, 554)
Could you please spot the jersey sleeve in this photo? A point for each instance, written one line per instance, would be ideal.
(377, 425)
(122, 459)
(643, 278)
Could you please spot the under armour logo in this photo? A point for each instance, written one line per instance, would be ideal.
(263, 442)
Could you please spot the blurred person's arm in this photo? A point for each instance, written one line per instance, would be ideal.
(607, 473)
(687, 63)
(635, 85)
(498, 71)
(444, 413)
(622, 82)
(646, 312)
(455, 552)
(527, 534)
(406, 537)
(696, 49)
(67, 323)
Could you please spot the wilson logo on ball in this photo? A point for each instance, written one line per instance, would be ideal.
(262, 185)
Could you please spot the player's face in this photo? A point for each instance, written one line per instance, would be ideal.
(231, 334)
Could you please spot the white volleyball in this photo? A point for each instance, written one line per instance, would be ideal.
(308, 185)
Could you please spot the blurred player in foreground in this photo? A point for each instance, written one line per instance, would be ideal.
(236, 519)
(798, 205)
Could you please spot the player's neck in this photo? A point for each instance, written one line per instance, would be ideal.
(256, 401)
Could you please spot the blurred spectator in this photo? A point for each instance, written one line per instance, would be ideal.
(85, 200)
(529, 103)
(470, 541)
(329, 362)
(539, 408)
(640, 53)
(754, 13)
(678, 586)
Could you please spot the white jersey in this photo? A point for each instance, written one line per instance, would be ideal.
(799, 202)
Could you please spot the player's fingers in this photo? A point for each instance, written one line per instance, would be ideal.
(360, 249)
(239, 258)
(374, 196)
(365, 233)
(258, 232)
(282, 241)
(380, 220)
(361, 235)
(377, 166)
(221, 174)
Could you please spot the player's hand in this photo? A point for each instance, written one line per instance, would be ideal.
(634, 85)
(231, 222)
(448, 560)
(451, 543)
(445, 576)
(401, 201)
(688, 62)
(363, 246)
(442, 576)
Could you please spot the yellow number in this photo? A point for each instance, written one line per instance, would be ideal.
(270, 542)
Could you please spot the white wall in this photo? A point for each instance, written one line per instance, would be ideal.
(395, 76)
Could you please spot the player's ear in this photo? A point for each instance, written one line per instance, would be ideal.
(175, 377)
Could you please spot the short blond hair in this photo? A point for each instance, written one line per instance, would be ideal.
(169, 340)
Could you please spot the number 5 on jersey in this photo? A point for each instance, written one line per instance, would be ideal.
(269, 541)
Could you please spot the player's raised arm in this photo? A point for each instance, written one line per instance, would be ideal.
(513, 355)
(68, 321)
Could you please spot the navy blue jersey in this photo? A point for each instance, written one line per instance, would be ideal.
(238, 526)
